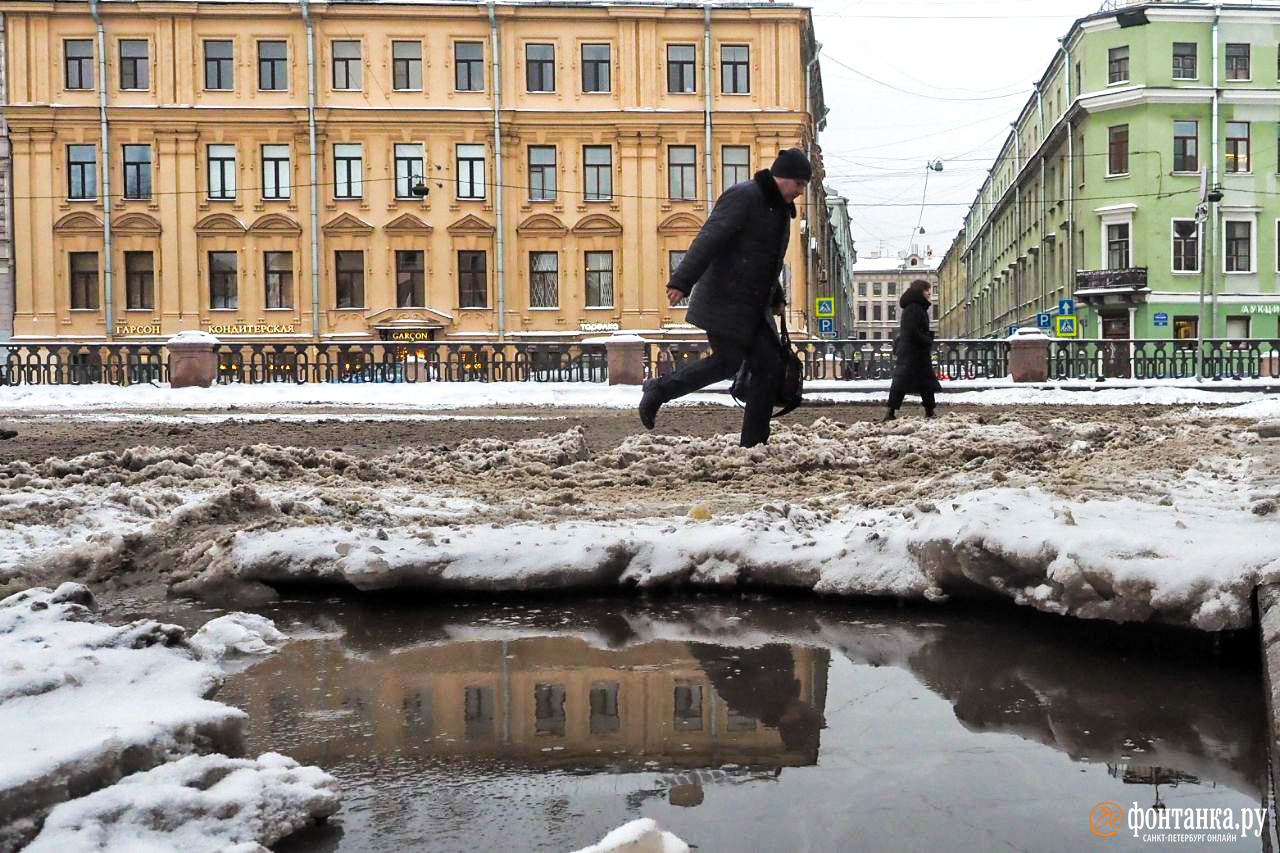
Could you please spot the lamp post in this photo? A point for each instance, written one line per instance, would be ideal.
(1207, 195)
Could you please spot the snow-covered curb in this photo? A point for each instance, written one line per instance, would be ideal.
(638, 836)
(1191, 562)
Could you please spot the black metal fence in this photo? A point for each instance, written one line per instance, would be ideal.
(255, 363)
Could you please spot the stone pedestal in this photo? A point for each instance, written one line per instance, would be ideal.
(626, 359)
(1029, 358)
(193, 359)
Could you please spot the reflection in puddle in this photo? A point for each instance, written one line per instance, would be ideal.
(742, 727)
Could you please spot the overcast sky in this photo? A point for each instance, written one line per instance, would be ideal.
(967, 68)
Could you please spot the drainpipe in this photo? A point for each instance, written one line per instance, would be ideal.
(315, 169)
(501, 265)
(1018, 218)
(1216, 212)
(1071, 172)
(808, 151)
(708, 160)
(107, 281)
(1044, 207)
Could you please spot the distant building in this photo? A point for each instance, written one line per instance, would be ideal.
(878, 283)
(841, 256)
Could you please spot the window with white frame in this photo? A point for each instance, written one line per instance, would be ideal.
(1118, 64)
(1118, 150)
(1237, 62)
(470, 171)
(599, 269)
(682, 172)
(1117, 245)
(275, 172)
(1186, 146)
(1238, 245)
(542, 173)
(1186, 250)
(544, 280)
(409, 158)
(348, 170)
(597, 173)
(736, 165)
(406, 66)
(1237, 146)
(1184, 60)
(222, 171)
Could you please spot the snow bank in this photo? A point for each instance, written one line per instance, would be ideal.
(638, 836)
(237, 633)
(196, 804)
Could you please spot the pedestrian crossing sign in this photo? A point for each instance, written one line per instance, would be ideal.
(1067, 326)
(825, 306)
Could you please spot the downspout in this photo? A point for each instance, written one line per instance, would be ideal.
(107, 279)
(500, 241)
(1216, 212)
(1018, 218)
(1071, 173)
(808, 153)
(707, 158)
(1044, 209)
(315, 169)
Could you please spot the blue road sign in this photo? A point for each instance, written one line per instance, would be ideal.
(1161, 319)
(826, 326)
(1043, 321)
(825, 306)
(1066, 306)
(1012, 329)
(1067, 327)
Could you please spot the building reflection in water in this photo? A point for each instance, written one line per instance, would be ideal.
(555, 702)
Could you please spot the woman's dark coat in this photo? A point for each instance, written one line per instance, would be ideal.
(736, 259)
(913, 366)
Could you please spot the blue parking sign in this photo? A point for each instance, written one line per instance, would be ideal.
(826, 326)
(1066, 306)
(1043, 321)
(1161, 319)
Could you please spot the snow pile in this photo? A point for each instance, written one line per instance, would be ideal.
(196, 804)
(237, 634)
(638, 836)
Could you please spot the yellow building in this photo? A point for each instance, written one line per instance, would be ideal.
(241, 199)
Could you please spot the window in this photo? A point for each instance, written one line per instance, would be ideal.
(139, 281)
(84, 281)
(875, 288)
(891, 288)
(687, 713)
(135, 68)
(542, 173)
(1118, 150)
(470, 171)
(222, 171)
(595, 68)
(1237, 146)
(1185, 146)
(77, 57)
(1186, 250)
(409, 168)
(219, 66)
(893, 312)
(1239, 254)
(468, 66)
(1184, 60)
(346, 65)
(406, 66)
(862, 312)
(548, 709)
(1237, 62)
(273, 66)
(862, 288)
(222, 280)
(599, 279)
(478, 712)
(544, 280)
(675, 258)
(1118, 246)
(735, 69)
(137, 171)
(876, 313)
(82, 171)
(275, 171)
(473, 283)
(349, 266)
(681, 68)
(1117, 65)
(348, 170)
(1186, 328)
(279, 278)
(1238, 328)
(603, 702)
(736, 166)
(409, 280)
(682, 172)
(597, 172)
(540, 67)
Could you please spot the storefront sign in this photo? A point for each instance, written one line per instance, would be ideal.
(251, 329)
(1268, 308)
(129, 331)
(599, 327)
(411, 335)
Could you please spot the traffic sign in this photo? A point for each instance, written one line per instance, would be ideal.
(1012, 329)
(1043, 321)
(826, 326)
(1067, 327)
(1066, 306)
(1161, 319)
(825, 306)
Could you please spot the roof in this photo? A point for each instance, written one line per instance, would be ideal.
(866, 265)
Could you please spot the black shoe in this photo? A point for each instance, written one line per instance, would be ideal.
(8, 433)
(650, 401)
(928, 413)
(888, 416)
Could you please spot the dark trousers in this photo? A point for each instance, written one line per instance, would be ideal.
(763, 357)
(897, 392)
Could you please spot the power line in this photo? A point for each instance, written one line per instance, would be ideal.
(845, 65)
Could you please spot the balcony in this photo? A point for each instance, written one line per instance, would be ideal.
(1111, 287)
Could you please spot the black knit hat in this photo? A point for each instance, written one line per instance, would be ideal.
(792, 163)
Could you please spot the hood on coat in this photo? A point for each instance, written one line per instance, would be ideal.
(913, 297)
(773, 195)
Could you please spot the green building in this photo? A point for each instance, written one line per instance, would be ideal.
(1094, 196)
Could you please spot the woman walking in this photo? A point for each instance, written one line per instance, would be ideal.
(913, 351)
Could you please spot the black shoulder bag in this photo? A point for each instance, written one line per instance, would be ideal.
(788, 394)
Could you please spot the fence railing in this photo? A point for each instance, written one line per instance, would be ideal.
(59, 363)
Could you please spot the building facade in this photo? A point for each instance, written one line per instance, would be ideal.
(842, 255)
(877, 285)
(1094, 196)
(437, 172)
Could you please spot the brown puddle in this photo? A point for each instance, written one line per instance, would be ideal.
(743, 726)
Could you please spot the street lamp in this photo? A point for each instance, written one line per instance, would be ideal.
(417, 187)
(1184, 230)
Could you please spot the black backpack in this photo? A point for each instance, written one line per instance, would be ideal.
(788, 395)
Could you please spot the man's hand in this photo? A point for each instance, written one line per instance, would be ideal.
(674, 296)
(777, 309)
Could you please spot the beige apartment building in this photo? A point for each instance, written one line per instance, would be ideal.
(391, 171)
(877, 284)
